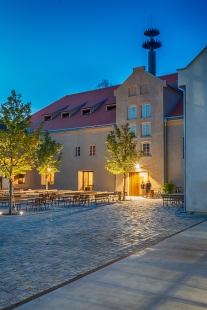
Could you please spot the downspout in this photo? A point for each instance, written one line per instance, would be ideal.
(184, 144)
(165, 150)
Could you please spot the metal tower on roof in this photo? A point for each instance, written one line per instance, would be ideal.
(151, 45)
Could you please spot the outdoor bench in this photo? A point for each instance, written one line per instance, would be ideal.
(173, 199)
(101, 198)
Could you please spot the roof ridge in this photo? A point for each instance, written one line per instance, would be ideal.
(88, 91)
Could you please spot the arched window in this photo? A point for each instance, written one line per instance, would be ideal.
(132, 91)
(144, 89)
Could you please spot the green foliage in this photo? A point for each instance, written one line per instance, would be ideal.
(122, 154)
(18, 147)
(168, 188)
(49, 156)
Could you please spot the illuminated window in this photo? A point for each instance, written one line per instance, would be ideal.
(19, 179)
(77, 151)
(132, 112)
(51, 179)
(87, 180)
(92, 150)
(133, 129)
(146, 130)
(146, 148)
(146, 110)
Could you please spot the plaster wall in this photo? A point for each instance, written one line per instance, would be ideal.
(175, 159)
(153, 164)
(67, 178)
(194, 76)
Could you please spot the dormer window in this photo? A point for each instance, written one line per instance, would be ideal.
(65, 114)
(47, 117)
(86, 111)
(111, 107)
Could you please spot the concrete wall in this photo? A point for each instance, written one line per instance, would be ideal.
(67, 178)
(194, 76)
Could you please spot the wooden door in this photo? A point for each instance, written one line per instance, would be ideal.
(134, 184)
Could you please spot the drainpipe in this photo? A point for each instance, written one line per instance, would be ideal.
(165, 150)
(184, 146)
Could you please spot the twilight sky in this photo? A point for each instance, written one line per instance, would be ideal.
(52, 48)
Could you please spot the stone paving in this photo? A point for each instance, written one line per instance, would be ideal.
(40, 250)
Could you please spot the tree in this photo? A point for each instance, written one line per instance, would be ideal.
(18, 147)
(49, 157)
(105, 83)
(122, 154)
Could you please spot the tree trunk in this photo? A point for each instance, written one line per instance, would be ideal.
(10, 195)
(124, 184)
(46, 182)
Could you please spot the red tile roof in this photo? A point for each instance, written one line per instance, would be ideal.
(177, 110)
(94, 99)
(170, 79)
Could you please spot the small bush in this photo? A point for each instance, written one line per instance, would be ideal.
(168, 188)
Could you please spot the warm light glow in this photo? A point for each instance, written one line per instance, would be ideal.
(1, 213)
(48, 169)
(137, 166)
(21, 212)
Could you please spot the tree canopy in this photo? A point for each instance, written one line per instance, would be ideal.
(49, 157)
(105, 83)
(122, 154)
(18, 146)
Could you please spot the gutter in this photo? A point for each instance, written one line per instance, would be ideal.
(79, 128)
(184, 144)
(165, 150)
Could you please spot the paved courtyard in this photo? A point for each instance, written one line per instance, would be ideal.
(40, 250)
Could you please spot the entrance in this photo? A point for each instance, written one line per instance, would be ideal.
(135, 180)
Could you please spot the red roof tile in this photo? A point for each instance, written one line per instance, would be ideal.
(177, 110)
(170, 79)
(100, 97)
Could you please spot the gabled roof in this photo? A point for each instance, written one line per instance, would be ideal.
(96, 100)
(205, 48)
(171, 79)
(177, 109)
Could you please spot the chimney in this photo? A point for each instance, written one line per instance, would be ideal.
(151, 45)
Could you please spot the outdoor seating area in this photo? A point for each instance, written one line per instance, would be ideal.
(40, 200)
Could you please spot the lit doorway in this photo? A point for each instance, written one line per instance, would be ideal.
(135, 180)
(87, 180)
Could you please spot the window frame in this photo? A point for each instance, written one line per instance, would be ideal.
(146, 125)
(145, 110)
(134, 114)
(77, 151)
(148, 150)
(92, 150)
(134, 131)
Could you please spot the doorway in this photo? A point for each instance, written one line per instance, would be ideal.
(135, 180)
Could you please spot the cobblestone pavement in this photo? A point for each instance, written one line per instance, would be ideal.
(40, 250)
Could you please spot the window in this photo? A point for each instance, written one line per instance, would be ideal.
(111, 107)
(19, 179)
(65, 114)
(51, 179)
(92, 150)
(146, 132)
(146, 110)
(132, 112)
(144, 89)
(132, 91)
(86, 111)
(146, 149)
(133, 129)
(47, 117)
(77, 151)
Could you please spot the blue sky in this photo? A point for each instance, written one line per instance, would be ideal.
(51, 48)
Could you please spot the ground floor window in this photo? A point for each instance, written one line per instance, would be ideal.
(51, 179)
(19, 179)
(86, 180)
